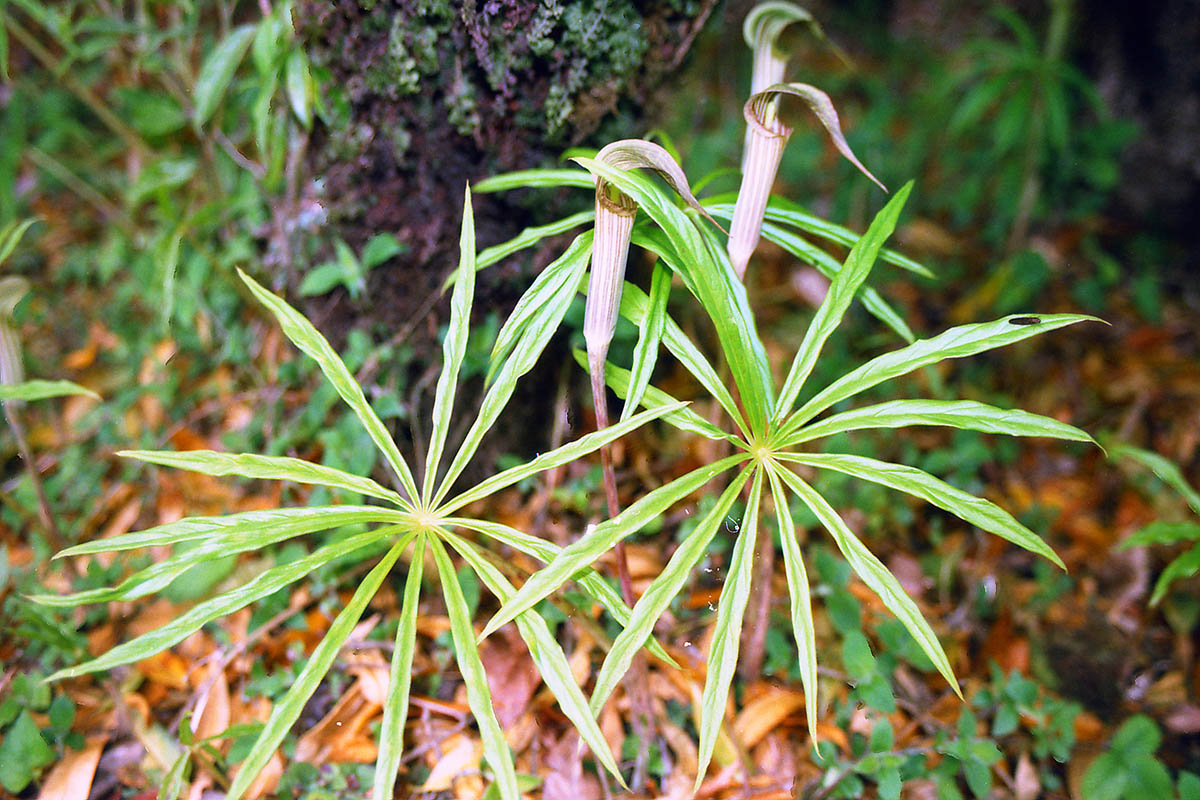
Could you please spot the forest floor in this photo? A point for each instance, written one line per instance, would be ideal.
(1051, 663)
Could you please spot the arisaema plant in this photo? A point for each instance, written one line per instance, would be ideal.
(771, 435)
(424, 519)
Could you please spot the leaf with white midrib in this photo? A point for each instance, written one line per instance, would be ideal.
(196, 617)
(288, 708)
(964, 414)
(958, 342)
(975, 510)
(479, 696)
(723, 652)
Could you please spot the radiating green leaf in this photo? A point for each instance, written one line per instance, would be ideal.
(197, 616)
(297, 520)
(841, 291)
(276, 468)
(965, 414)
(547, 655)
(662, 590)
(685, 419)
(829, 267)
(561, 455)
(160, 574)
(975, 510)
(40, 390)
(308, 339)
(957, 342)
(479, 696)
(635, 306)
(588, 579)
(454, 348)
(723, 652)
(801, 602)
(875, 575)
(395, 709)
(531, 236)
(217, 71)
(522, 358)
(782, 210)
(287, 709)
(563, 275)
(650, 332)
(599, 539)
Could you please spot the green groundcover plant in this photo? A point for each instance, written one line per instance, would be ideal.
(771, 428)
(422, 519)
(768, 431)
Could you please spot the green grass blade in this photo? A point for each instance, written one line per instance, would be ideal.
(479, 696)
(302, 334)
(599, 539)
(152, 579)
(1166, 470)
(531, 236)
(522, 358)
(708, 273)
(589, 580)
(685, 419)
(202, 613)
(288, 709)
(274, 468)
(635, 306)
(723, 654)
(841, 291)
(563, 275)
(650, 332)
(535, 179)
(964, 414)
(662, 590)
(547, 654)
(979, 512)
(300, 520)
(803, 628)
(454, 348)
(964, 340)
(875, 575)
(40, 390)
(562, 455)
(828, 266)
(395, 710)
(786, 212)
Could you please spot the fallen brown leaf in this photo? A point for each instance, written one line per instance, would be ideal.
(71, 778)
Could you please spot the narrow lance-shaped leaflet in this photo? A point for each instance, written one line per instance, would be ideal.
(766, 138)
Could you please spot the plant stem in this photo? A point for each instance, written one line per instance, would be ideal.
(53, 534)
(754, 634)
(637, 679)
